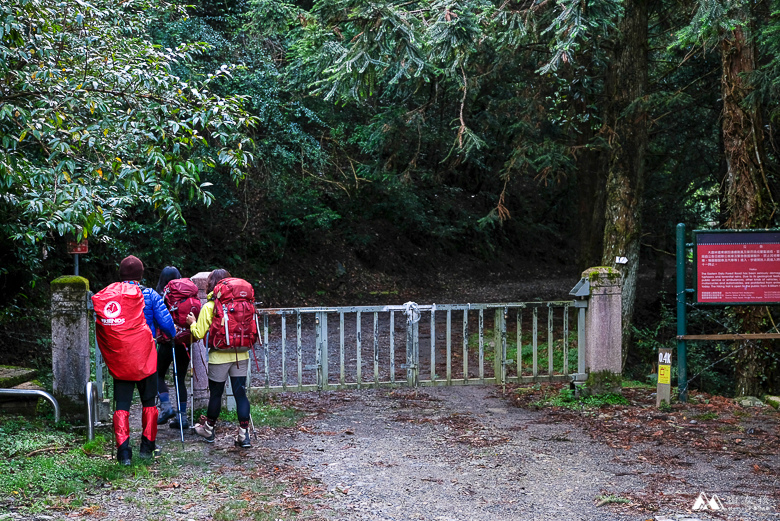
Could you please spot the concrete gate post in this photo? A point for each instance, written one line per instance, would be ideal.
(70, 342)
(603, 324)
(199, 353)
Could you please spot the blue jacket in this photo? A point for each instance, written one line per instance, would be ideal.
(156, 314)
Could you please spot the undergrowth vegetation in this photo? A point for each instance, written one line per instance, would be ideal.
(560, 350)
(47, 467)
(567, 398)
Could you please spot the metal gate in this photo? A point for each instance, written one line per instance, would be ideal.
(416, 345)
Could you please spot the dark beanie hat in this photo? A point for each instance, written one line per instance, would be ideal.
(131, 268)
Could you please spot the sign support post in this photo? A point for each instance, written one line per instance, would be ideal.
(682, 357)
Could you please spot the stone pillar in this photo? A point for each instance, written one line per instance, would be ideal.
(603, 326)
(70, 342)
(199, 353)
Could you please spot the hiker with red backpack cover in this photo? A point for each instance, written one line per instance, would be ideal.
(228, 323)
(181, 298)
(128, 316)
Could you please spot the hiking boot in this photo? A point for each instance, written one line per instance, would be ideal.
(242, 439)
(165, 415)
(148, 449)
(185, 423)
(205, 430)
(124, 455)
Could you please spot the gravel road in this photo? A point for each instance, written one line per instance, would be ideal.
(453, 454)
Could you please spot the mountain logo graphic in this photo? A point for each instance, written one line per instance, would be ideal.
(704, 503)
(113, 309)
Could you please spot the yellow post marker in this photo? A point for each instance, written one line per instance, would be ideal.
(664, 389)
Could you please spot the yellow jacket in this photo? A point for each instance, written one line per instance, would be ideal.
(200, 327)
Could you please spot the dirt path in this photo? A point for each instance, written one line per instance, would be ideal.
(462, 453)
(452, 454)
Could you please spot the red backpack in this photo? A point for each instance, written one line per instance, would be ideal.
(124, 339)
(234, 325)
(181, 298)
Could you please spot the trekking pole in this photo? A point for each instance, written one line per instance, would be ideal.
(178, 398)
(252, 423)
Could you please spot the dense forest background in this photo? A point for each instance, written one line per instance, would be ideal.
(337, 151)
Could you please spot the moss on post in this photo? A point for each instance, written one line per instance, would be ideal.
(70, 282)
(603, 382)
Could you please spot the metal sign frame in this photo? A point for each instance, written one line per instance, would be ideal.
(731, 233)
(682, 302)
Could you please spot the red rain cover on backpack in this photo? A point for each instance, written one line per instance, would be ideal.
(124, 338)
(181, 298)
(233, 326)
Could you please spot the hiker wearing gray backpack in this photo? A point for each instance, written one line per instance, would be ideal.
(228, 324)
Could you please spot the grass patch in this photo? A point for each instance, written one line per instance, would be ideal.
(263, 415)
(527, 361)
(633, 384)
(47, 468)
(608, 499)
(707, 416)
(39, 461)
(566, 398)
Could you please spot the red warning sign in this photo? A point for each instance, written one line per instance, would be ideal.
(738, 267)
(78, 248)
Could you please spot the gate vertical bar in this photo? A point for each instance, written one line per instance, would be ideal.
(409, 351)
(392, 347)
(499, 360)
(325, 350)
(376, 349)
(416, 353)
(433, 343)
(265, 352)
(535, 333)
(284, 352)
(99, 372)
(504, 361)
(449, 347)
(566, 339)
(318, 349)
(519, 343)
(482, 345)
(342, 371)
(300, 353)
(550, 368)
(465, 345)
(359, 355)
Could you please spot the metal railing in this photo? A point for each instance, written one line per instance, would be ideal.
(34, 392)
(437, 347)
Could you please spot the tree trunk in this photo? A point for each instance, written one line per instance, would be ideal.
(626, 124)
(591, 182)
(748, 200)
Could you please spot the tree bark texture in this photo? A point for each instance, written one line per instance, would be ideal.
(748, 199)
(626, 125)
(591, 182)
